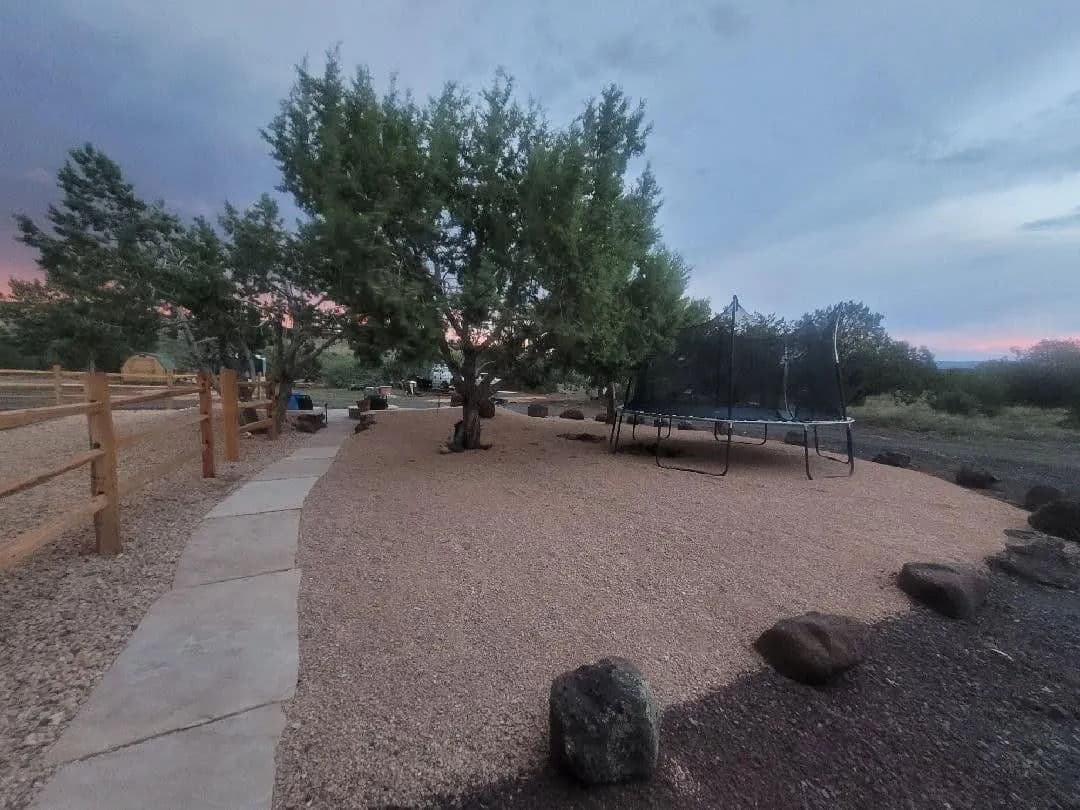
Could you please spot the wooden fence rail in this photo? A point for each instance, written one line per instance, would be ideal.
(105, 490)
(232, 404)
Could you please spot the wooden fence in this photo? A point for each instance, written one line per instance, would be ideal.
(99, 404)
(56, 385)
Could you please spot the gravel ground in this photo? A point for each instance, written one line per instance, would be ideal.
(66, 614)
(942, 714)
(441, 593)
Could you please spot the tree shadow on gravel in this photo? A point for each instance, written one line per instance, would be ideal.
(941, 714)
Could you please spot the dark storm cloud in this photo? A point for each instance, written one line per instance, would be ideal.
(918, 156)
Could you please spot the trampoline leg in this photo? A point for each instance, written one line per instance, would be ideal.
(817, 447)
(850, 452)
(806, 451)
(633, 428)
(765, 438)
(670, 422)
(616, 430)
(727, 448)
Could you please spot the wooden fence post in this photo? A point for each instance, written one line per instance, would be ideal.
(103, 468)
(271, 394)
(206, 424)
(58, 385)
(230, 396)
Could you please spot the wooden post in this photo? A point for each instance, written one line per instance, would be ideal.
(103, 468)
(169, 375)
(271, 394)
(58, 385)
(206, 426)
(230, 397)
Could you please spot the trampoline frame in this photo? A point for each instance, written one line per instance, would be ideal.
(659, 419)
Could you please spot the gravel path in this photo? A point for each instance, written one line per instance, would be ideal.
(441, 594)
(66, 614)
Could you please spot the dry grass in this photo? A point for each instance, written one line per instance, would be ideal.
(1014, 422)
(441, 593)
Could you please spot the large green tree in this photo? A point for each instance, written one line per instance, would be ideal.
(615, 293)
(428, 216)
(101, 260)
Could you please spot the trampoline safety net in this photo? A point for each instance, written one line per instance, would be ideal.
(737, 367)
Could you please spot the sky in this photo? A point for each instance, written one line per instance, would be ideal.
(923, 157)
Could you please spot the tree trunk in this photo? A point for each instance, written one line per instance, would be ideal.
(467, 431)
(282, 391)
(610, 402)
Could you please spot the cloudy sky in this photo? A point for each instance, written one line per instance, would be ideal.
(923, 157)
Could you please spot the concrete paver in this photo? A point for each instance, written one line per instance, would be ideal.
(295, 468)
(316, 451)
(226, 764)
(200, 653)
(265, 496)
(239, 546)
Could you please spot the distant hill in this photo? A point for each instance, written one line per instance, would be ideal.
(944, 364)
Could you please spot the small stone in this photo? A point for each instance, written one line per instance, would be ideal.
(893, 459)
(952, 591)
(1060, 518)
(1040, 495)
(601, 417)
(538, 410)
(813, 648)
(975, 479)
(604, 723)
(572, 413)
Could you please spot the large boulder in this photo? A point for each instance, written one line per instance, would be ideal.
(893, 459)
(536, 409)
(950, 590)
(813, 648)
(1060, 518)
(604, 723)
(572, 413)
(1042, 560)
(487, 409)
(1040, 495)
(973, 478)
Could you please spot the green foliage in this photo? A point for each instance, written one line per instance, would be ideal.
(343, 371)
(872, 362)
(100, 257)
(1021, 422)
(955, 402)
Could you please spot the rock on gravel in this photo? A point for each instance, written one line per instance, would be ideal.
(1043, 561)
(538, 410)
(604, 723)
(572, 413)
(893, 459)
(950, 590)
(1040, 495)
(601, 417)
(813, 648)
(973, 478)
(1060, 518)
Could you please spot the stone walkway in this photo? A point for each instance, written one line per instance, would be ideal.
(190, 712)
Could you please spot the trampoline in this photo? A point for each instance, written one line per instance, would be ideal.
(739, 370)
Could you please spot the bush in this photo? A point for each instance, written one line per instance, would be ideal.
(342, 371)
(957, 403)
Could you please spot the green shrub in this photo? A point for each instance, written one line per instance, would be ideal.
(343, 371)
(957, 403)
